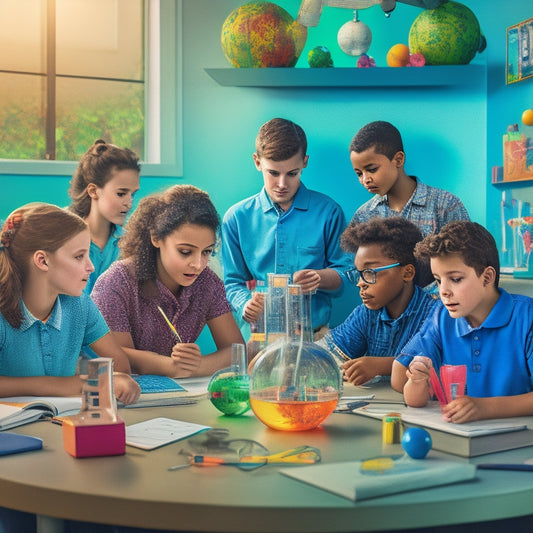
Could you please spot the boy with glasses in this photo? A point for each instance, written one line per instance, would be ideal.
(393, 307)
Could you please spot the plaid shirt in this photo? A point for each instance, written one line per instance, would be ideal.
(428, 208)
(374, 333)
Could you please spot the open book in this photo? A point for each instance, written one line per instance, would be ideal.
(19, 410)
(469, 439)
(157, 391)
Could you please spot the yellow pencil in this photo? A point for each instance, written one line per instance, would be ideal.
(170, 325)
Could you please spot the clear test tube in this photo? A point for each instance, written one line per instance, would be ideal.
(276, 307)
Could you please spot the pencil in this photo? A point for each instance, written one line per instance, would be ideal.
(170, 325)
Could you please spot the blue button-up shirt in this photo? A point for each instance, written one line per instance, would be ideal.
(51, 348)
(497, 353)
(258, 238)
(372, 332)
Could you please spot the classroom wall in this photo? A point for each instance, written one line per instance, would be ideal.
(446, 130)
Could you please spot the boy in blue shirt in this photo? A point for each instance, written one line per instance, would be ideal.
(475, 323)
(284, 229)
(393, 307)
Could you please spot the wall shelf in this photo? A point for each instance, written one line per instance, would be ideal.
(515, 184)
(435, 76)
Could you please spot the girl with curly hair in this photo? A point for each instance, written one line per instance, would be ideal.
(163, 273)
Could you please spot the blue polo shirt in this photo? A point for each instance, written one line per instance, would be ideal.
(372, 332)
(258, 238)
(102, 259)
(51, 348)
(497, 353)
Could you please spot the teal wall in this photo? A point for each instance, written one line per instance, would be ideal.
(452, 134)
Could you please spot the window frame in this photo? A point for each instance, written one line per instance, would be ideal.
(163, 131)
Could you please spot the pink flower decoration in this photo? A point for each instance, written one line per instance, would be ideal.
(365, 61)
(416, 60)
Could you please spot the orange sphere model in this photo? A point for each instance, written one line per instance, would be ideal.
(527, 117)
(398, 55)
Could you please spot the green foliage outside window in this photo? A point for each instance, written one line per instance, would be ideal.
(22, 135)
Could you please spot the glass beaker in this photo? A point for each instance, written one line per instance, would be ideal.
(229, 388)
(99, 404)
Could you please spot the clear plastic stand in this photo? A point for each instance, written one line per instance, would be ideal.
(96, 430)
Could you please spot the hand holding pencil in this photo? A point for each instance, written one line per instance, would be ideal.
(185, 357)
(170, 325)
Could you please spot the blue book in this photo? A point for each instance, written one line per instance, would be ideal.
(151, 384)
(15, 443)
(158, 391)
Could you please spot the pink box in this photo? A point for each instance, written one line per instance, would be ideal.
(94, 440)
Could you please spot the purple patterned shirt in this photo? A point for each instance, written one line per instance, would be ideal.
(128, 309)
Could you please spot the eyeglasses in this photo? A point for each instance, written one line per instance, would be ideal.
(368, 274)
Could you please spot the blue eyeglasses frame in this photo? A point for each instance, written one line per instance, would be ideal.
(367, 274)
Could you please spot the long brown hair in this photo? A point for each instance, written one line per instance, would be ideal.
(97, 166)
(35, 226)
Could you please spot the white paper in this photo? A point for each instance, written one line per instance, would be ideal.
(157, 432)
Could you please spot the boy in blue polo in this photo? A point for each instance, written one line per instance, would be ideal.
(393, 307)
(475, 323)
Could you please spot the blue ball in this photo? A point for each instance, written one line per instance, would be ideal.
(416, 442)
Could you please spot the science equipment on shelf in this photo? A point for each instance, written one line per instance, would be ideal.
(294, 384)
(522, 227)
(229, 388)
(97, 429)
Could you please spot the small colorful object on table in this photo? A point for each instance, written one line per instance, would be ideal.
(416, 442)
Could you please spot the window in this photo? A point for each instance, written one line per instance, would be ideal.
(73, 71)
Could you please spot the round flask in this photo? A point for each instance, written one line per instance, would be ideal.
(228, 389)
(295, 384)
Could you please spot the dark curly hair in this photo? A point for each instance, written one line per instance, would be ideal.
(470, 240)
(397, 238)
(157, 216)
(380, 135)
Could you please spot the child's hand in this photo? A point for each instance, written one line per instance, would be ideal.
(308, 279)
(360, 370)
(185, 359)
(463, 409)
(254, 307)
(127, 390)
(419, 368)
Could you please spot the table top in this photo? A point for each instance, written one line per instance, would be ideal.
(137, 489)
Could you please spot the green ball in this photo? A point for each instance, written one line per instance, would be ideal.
(319, 57)
(447, 35)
